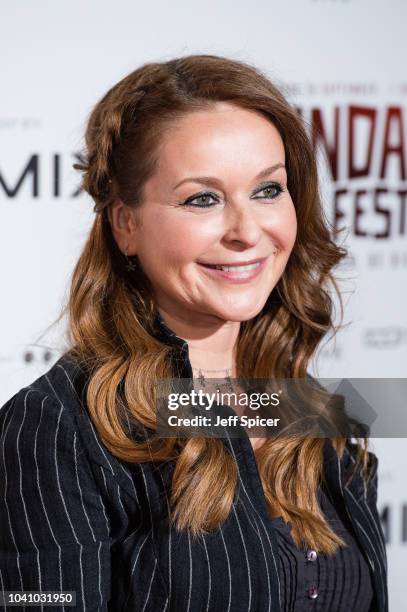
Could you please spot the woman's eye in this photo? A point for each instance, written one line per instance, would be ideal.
(207, 199)
(203, 200)
(272, 190)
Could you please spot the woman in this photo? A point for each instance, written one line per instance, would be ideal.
(209, 257)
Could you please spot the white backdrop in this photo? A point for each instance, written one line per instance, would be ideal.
(340, 61)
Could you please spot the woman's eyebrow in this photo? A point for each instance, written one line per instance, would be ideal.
(212, 180)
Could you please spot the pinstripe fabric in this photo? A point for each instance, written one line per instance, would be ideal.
(74, 517)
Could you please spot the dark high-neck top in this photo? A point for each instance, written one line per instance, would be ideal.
(319, 582)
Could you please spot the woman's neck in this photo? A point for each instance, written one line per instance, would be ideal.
(211, 341)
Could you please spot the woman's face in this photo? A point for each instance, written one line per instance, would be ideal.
(218, 196)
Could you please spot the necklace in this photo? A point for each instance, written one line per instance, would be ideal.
(201, 371)
(199, 375)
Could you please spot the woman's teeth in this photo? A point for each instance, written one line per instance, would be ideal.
(236, 268)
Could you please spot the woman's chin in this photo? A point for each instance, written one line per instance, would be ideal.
(238, 314)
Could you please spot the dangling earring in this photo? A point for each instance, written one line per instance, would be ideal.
(130, 265)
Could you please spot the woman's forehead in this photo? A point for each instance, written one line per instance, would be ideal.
(207, 141)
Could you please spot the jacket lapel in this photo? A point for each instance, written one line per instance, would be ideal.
(359, 502)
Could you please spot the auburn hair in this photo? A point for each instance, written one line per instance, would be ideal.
(111, 311)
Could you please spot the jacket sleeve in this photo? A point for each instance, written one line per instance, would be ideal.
(54, 534)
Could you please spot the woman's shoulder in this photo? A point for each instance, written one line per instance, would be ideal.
(61, 386)
(352, 448)
(47, 423)
(53, 408)
(49, 405)
(351, 453)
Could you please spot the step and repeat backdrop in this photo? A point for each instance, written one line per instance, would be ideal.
(340, 62)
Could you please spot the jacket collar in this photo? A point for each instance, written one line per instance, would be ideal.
(181, 354)
(164, 333)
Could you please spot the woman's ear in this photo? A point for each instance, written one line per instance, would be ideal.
(121, 219)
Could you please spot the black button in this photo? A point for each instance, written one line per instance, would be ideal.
(313, 592)
(311, 555)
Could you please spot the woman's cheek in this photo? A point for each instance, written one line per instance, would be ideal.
(188, 242)
(288, 225)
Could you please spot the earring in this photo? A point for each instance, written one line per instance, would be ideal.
(130, 265)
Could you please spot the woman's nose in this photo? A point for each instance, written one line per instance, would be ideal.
(241, 225)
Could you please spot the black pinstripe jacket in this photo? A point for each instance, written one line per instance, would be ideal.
(75, 518)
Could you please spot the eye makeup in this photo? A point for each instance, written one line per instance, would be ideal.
(267, 185)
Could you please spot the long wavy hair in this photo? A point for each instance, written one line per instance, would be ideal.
(111, 311)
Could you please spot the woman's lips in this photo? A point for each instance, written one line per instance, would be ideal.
(244, 274)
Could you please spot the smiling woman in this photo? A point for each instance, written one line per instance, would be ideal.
(209, 253)
(218, 254)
